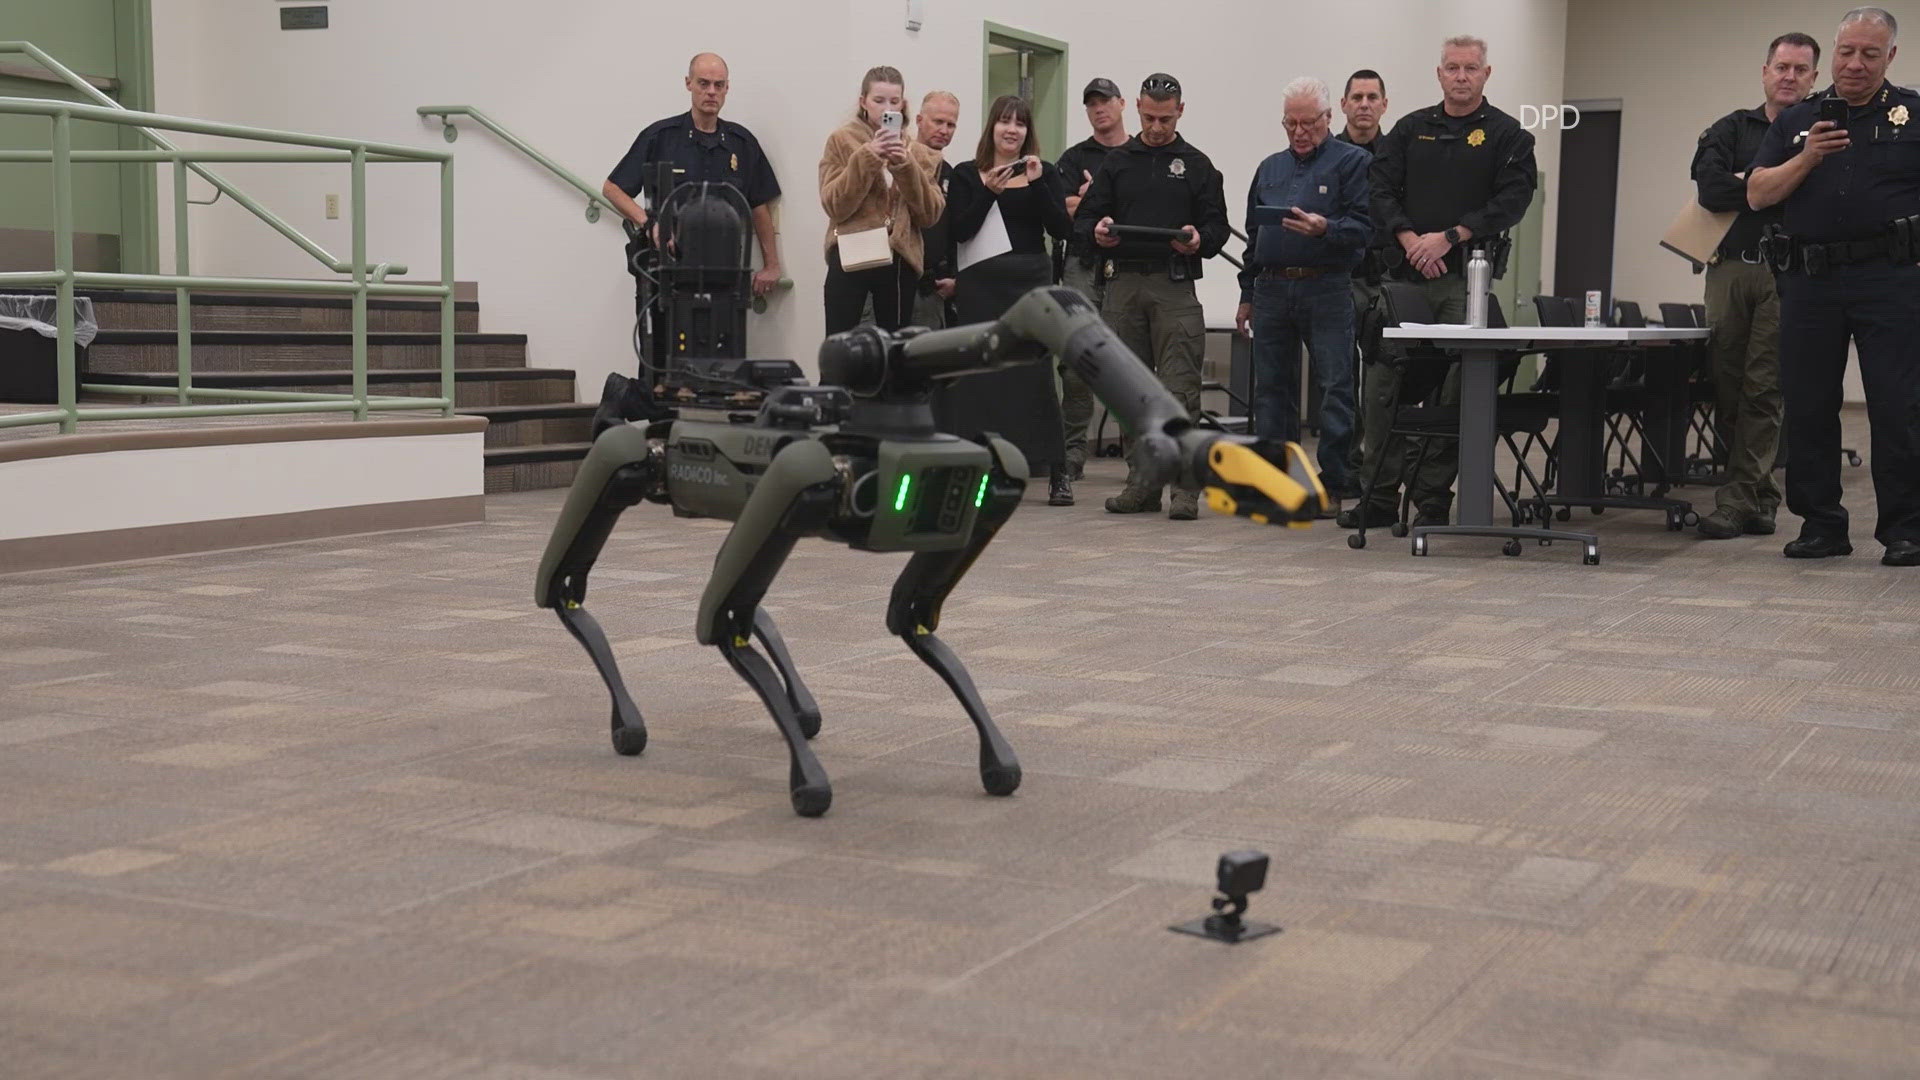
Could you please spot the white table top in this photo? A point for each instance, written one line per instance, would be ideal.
(1532, 338)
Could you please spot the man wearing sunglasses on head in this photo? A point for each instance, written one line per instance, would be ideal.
(1157, 181)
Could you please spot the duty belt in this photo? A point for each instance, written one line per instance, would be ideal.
(1899, 245)
(1137, 266)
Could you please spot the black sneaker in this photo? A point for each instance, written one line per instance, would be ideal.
(1059, 487)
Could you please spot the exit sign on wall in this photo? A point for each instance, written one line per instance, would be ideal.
(303, 18)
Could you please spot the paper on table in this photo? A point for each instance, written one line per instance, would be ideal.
(991, 240)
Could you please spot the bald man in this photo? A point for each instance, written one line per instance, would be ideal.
(703, 147)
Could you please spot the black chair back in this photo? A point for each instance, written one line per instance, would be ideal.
(1700, 316)
(1626, 314)
(1678, 316)
(1555, 311)
(1405, 304)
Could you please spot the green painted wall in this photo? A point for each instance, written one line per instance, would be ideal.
(109, 38)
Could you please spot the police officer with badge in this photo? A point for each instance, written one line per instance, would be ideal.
(1446, 179)
(1742, 307)
(1157, 180)
(703, 147)
(1845, 167)
(1107, 115)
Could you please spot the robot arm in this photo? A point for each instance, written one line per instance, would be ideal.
(1266, 481)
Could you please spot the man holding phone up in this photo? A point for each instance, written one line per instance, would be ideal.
(1307, 228)
(1845, 167)
(1159, 181)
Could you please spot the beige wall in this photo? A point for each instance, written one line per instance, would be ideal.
(577, 78)
(1676, 68)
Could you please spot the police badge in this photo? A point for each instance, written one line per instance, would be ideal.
(1897, 116)
(1476, 137)
(733, 162)
(1177, 167)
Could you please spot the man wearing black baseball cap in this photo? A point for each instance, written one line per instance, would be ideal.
(1107, 113)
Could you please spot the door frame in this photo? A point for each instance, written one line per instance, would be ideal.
(1050, 116)
(139, 190)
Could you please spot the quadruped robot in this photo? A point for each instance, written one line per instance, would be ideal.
(858, 461)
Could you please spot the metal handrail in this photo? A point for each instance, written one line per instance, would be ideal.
(368, 279)
(595, 200)
(278, 224)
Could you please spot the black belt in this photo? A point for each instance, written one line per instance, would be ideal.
(1138, 266)
(1295, 273)
(1785, 253)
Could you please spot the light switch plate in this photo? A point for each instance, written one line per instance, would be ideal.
(333, 207)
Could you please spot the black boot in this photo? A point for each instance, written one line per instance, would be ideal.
(1059, 487)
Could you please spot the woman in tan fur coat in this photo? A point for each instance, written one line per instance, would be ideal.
(872, 177)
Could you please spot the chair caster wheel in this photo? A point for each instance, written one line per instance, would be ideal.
(1001, 780)
(1399, 528)
(1511, 547)
(1597, 510)
(1419, 548)
(1356, 541)
(628, 741)
(1591, 558)
(1565, 513)
(809, 722)
(812, 801)
(1690, 518)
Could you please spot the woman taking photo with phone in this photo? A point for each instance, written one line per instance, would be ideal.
(1006, 201)
(878, 190)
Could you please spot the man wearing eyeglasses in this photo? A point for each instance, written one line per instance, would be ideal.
(1307, 228)
(1158, 180)
(1447, 179)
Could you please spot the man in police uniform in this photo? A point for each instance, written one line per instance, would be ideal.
(1851, 195)
(703, 147)
(1107, 115)
(1157, 179)
(1444, 177)
(1364, 103)
(939, 115)
(1742, 307)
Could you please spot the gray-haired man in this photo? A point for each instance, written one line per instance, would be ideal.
(1308, 225)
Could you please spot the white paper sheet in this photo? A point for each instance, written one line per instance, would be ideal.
(991, 240)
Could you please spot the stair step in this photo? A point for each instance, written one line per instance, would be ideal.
(145, 309)
(530, 468)
(529, 425)
(473, 387)
(242, 350)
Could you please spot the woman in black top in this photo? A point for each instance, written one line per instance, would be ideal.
(1019, 403)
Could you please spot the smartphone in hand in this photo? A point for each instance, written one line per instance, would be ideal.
(1835, 109)
(893, 121)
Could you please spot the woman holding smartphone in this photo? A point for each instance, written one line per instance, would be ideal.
(878, 190)
(1007, 175)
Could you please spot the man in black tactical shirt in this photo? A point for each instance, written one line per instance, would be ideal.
(1107, 114)
(1742, 307)
(1157, 179)
(1364, 103)
(1849, 268)
(1446, 179)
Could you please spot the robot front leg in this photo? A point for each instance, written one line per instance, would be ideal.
(794, 498)
(622, 468)
(913, 612)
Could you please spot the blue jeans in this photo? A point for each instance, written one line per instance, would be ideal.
(1319, 312)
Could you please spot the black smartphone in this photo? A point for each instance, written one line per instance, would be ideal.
(1835, 109)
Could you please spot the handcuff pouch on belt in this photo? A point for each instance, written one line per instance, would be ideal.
(1904, 245)
(1776, 249)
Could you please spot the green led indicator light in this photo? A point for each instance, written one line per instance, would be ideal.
(900, 497)
(980, 497)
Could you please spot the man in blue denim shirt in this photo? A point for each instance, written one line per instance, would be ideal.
(1297, 285)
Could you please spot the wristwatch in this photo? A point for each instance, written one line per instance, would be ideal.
(1452, 235)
